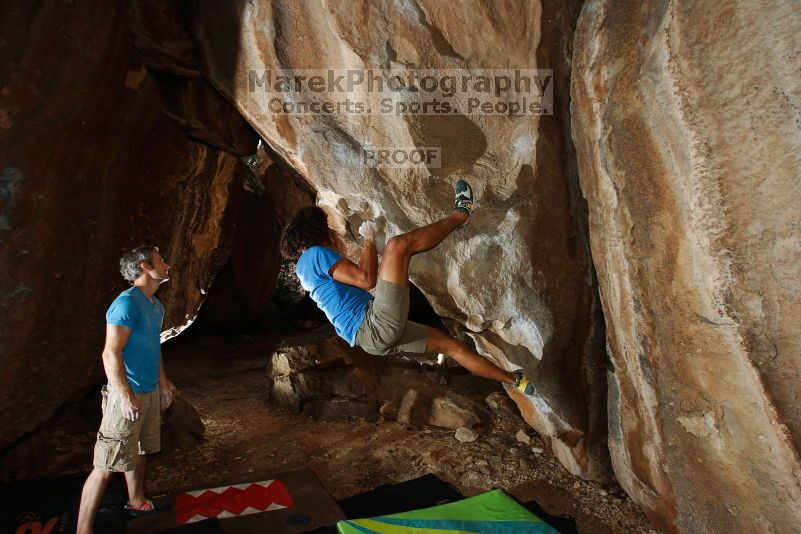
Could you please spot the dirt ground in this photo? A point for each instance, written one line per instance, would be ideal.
(247, 436)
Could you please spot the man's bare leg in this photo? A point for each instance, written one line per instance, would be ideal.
(92, 495)
(136, 482)
(400, 249)
(441, 342)
(395, 268)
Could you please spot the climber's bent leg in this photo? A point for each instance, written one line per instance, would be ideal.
(400, 249)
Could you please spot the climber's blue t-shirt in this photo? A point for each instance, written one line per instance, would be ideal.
(142, 353)
(343, 304)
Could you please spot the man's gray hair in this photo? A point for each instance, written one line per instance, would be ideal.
(130, 263)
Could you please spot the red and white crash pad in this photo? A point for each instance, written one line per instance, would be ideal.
(231, 501)
(283, 504)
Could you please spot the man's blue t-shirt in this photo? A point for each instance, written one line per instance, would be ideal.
(142, 353)
(343, 304)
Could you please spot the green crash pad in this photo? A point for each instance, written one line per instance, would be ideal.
(488, 513)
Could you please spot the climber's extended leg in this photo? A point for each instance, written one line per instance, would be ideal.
(441, 342)
(400, 249)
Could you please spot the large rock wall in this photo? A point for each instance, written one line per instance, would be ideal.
(91, 165)
(687, 122)
(518, 277)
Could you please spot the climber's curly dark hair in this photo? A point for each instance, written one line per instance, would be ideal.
(307, 228)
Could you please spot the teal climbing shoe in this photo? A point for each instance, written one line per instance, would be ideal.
(464, 199)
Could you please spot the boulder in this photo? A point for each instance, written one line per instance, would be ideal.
(306, 352)
(181, 425)
(501, 405)
(294, 390)
(332, 381)
(518, 278)
(436, 406)
(341, 409)
(687, 128)
(465, 435)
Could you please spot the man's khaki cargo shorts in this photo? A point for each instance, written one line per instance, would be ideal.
(120, 440)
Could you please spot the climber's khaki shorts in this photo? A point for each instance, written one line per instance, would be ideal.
(386, 328)
(120, 440)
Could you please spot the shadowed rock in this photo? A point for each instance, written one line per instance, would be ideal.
(332, 381)
(91, 166)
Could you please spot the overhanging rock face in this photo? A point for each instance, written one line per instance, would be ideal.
(518, 277)
(687, 122)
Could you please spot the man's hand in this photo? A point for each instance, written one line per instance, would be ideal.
(368, 230)
(167, 392)
(130, 405)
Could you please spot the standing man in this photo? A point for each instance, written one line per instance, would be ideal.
(137, 389)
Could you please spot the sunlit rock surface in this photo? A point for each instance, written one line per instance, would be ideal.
(518, 278)
(687, 122)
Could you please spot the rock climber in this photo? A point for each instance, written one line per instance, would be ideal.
(379, 324)
(137, 390)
